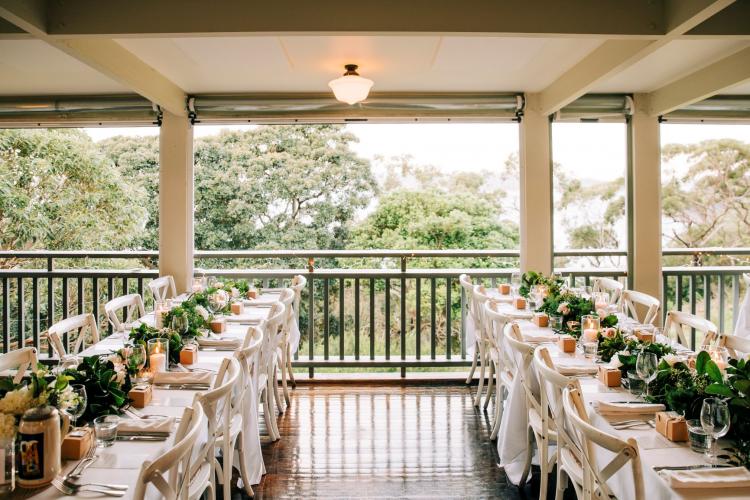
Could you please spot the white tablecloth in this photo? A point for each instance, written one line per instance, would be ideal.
(655, 450)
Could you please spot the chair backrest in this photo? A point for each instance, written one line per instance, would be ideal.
(170, 472)
(631, 300)
(22, 360)
(495, 322)
(613, 287)
(273, 335)
(299, 283)
(163, 288)
(287, 299)
(523, 356)
(82, 324)
(736, 346)
(591, 438)
(479, 298)
(133, 305)
(468, 287)
(678, 320)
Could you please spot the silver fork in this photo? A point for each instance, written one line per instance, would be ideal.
(72, 490)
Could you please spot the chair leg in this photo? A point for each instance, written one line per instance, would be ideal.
(276, 395)
(267, 417)
(543, 465)
(529, 455)
(272, 413)
(244, 474)
(480, 386)
(490, 383)
(562, 482)
(499, 405)
(473, 364)
(284, 362)
(226, 469)
(289, 366)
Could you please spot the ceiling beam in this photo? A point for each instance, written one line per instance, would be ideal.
(702, 84)
(613, 56)
(104, 55)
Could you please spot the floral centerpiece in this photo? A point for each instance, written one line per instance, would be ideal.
(532, 278)
(107, 383)
(40, 388)
(143, 333)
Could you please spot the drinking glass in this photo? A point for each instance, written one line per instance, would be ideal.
(78, 408)
(646, 366)
(136, 359)
(179, 323)
(105, 428)
(715, 421)
(515, 282)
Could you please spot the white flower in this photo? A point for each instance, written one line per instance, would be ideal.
(235, 293)
(203, 312)
(114, 359)
(18, 401)
(671, 359)
(615, 362)
(7, 425)
(219, 284)
(563, 308)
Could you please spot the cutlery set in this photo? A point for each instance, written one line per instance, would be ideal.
(183, 387)
(631, 424)
(67, 483)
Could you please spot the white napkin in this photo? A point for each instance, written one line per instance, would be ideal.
(247, 318)
(540, 336)
(183, 377)
(138, 425)
(262, 300)
(605, 408)
(571, 369)
(212, 342)
(726, 477)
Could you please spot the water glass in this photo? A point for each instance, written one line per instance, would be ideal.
(646, 366)
(635, 384)
(78, 407)
(105, 428)
(515, 282)
(698, 437)
(590, 349)
(715, 422)
(7, 464)
(555, 322)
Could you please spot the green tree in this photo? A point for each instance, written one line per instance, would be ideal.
(58, 192)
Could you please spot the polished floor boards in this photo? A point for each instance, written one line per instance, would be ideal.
(388, 441)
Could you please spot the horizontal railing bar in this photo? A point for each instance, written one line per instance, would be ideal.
(78, 254)
(589, 252)
(707, 251)
(700, 270)
(83, 273)
(265, 254)
(379, 363)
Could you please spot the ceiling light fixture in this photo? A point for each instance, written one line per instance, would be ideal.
(351, 88)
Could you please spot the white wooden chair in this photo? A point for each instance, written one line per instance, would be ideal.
(742, 323)
(299, 283)
(569, 455)
(267, 384)
(82, 324)
(632, 301)
(612, 287)
(245, 403)
(478, 299)
(171, 472)
(736, 346)
(589, 438)
(471, 325)
(133, 306)
(286, 298)
(21, 360)
(224, 421)
(162, 288)
(678, 320)
(540, 433)
(501, 367)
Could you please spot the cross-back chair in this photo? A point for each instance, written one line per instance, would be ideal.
(287, 298)
(589, 438)
(21, 360)
(82, 324)
(736, 346)
(613, 287)
(132, 304)
(678, 320)
(633, 300)
(569, 456)
(299, 283)
(478, 299)
(171, 472)
(502, 367)
(471, 325)
(163, 288)
(273, 336)
(539, 432)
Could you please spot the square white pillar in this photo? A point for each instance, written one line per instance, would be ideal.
(536, 188)
(646, 211)
(176, 200)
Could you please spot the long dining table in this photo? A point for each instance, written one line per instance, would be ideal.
(655, 450)
(121, 462)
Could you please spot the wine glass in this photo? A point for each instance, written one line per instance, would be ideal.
(179, 324)
(646, 366)
(136, 359)
(515, 282)
(78, 406)
(715, 423)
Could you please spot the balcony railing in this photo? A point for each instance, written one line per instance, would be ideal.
(392, 314)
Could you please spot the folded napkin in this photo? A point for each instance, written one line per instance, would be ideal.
(518, 314)
(725, 477)
(248, 318)
(539, 337)
(605, 408)
(262, 300)
(136, 426)
(214, 342)
(183, 377)
(571, 370)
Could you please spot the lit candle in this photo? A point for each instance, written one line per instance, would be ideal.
(158, 362)
(590, 334)
(197, 285)
(159, 312)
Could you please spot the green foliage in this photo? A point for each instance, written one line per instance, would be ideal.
(106, 394)
(189, 309)
(532, 278)
(144, 333)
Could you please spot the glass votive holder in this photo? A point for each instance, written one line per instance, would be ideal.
(555, 322)
(590, 349)
(158, 355)
(635, 383)
(105, 429)
(197, 285)
(699, 440)
(589, 327)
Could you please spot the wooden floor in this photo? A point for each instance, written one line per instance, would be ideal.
(349, 441)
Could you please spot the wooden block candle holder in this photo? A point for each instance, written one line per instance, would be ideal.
(520, 303)
(541, 320)
(77, 443)
(238, 308)
(610, 377)
(218, 325)
(672, 426)
(504, 289)
(566, 343)
(141, 395)
(252, 293)
(189, 355)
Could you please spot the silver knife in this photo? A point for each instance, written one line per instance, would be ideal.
(141, 438)
(183, 387)
(691, 467)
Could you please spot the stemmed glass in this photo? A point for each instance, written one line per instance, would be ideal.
(78, 408)
(515, 282)
(179, 324)
(136, 359)
(646, 367)
(715, 423)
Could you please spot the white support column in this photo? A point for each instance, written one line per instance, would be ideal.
(646, 196)
(536, 188)
(176, 200)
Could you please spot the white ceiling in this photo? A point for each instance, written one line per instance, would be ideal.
(395, 63)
